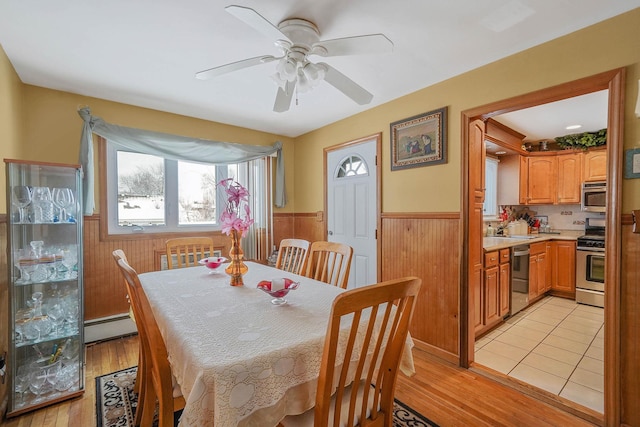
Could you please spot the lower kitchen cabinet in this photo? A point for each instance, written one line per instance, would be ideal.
(492, 302)
(538, 278)
(505, 281)
(563, 268)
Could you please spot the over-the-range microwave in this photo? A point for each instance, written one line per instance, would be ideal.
(594, 196)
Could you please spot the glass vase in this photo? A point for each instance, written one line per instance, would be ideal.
(236, 267)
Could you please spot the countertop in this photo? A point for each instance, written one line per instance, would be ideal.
(495, 243)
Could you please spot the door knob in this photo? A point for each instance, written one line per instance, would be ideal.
(331, 233)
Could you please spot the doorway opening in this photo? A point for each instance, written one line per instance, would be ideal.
(473, 197)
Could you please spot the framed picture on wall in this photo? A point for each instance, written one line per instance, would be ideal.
(419, 140)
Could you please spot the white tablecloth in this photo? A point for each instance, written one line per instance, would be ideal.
(239, 359)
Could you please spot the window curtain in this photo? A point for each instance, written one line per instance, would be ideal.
(171, 147)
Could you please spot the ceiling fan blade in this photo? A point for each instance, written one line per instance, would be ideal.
(372, 43)
(283, 97)
(345, 85)
(234, 66)
(257, 21)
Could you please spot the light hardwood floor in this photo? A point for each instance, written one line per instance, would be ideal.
(448, 395)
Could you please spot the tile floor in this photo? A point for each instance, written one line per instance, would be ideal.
(556, 345)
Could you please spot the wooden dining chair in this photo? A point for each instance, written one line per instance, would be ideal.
(188, 251)
(119, 254)
(329, 262)
(292, 254)
(158, 384)
(370, 351)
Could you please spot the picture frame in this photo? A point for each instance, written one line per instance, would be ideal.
(419, 140)
(632, 163)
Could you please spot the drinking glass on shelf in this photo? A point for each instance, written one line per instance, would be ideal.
(42, 204)
(26, 261)
(70, 260)
(21, 381)
(58, 256)
(38, 380)
(21, 196)
(63, 198)
(71, 315)
(57, 315)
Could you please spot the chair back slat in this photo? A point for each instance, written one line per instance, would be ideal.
(292, 255)
(188, 251)
(329, 262)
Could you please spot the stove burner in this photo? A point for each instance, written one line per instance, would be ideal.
(588, 242)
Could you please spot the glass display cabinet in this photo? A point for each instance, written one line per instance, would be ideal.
(44, 253)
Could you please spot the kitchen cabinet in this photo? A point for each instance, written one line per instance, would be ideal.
(537, 270)
(492, 299)
(563, 266)
(45, 360)
(569, 178)
(504, 275)
(595, 165)
(538, 180)
(550, 178)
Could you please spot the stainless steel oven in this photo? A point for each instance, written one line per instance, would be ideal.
(594, 196)
(590, 262)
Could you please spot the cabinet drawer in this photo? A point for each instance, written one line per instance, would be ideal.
(505, 255)
(491, 259)
(538, 248)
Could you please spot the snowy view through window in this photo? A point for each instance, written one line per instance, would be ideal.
(142, 194)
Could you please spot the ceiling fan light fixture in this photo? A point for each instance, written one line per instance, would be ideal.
(279, 80)
(313, 72)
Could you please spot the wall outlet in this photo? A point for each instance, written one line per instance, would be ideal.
(566, 213)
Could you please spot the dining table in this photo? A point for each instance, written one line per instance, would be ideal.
(239, 359)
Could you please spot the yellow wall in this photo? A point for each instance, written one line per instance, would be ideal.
(52, 127)
(611, 44)
(10, 117)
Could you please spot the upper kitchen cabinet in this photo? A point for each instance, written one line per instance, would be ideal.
(538, 180)
(569, 178)
(595, 165)
(551, 178)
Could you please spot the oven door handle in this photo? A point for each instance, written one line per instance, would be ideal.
(597, 251)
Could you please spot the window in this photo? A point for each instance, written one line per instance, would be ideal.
(490, 206)
(352, 166)
(156, 195)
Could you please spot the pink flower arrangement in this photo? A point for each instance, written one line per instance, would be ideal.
(237, 202)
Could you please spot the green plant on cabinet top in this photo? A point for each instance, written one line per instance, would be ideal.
(583, 140)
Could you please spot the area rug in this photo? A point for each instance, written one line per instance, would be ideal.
(116, 403)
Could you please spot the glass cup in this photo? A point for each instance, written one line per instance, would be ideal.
(42, 205)
(21, 382)
(63, 199)
(21, 197)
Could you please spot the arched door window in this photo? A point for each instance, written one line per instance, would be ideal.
(352, 166)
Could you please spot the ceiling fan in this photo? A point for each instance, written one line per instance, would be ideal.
(298, 39)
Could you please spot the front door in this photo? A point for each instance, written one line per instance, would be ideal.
(352, 206)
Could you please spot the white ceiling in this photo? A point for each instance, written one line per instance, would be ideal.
(548, 121)
(146, 52)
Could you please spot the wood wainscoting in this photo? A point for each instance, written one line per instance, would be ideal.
(308, 226)
(104, 292)
(630, 324)
(427, 245)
